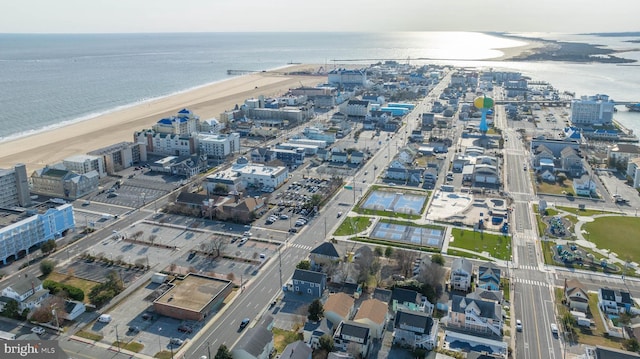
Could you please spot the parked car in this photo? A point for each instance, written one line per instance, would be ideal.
(104, 318)
(185, 329)
(519, 325)
(38, 330)
(176, 341)
(554, 328)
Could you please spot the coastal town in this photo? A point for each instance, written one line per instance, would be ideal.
(391, 210)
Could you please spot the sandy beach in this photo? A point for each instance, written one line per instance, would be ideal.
(53, 146)
(530, 47)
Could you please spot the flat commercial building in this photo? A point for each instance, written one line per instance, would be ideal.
(85, 164)
(121, 155)
(592, 110)
(218, 146)
(193, 297)
(243, 175)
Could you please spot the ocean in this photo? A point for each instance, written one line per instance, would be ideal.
(48, 81)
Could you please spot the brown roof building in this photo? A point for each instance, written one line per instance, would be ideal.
(373, 313)
(193, 297)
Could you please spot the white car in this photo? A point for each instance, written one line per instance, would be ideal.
(519, 325)
(554, 329)
(38, 330)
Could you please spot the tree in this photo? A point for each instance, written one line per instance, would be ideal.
(316, 310)
(47, 266)
(326, 342)
(304, 264)
(378, 251)
(223, 353)
(432, 275)
(388, 252)
(221, 188)
(48, 246)
(405, 261)
(11, 309)
(437, 259)
(631, 345)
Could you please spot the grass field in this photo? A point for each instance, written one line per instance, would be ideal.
(553, 188)
(83, 284)
(614, 234)
(498, 246)
(282, 338)
(352, 225)
(453, 252)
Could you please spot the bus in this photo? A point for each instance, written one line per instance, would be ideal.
(7, 336)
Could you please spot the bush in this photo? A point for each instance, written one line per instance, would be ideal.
(74, 293)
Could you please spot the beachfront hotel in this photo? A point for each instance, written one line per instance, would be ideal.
(121, 155)
(22, 231)
(85, 164)
(15, 187)
(592, 110)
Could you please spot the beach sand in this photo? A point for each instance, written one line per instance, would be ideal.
(53, 146)
(530, 47)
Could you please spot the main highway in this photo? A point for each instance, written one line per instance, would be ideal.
(532, 286)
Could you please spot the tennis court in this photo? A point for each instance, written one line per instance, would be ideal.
(394, 202)
(431, 237)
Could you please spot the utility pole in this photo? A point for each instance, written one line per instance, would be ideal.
(208, 350)
(280, 265)
(117, 338)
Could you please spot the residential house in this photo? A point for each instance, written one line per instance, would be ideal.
(339, 156)
(571, 162)
(256, 343)
(411, 300)
(73, 309)
(601, 352)
(474, 315)
(415, 329)
(339, 307)
(542, 155)
(323, 154)
(357, 157)
(614, 301)
(262, 155)
(489, 277)
(323, 254)
(350, 334)
(297, 350)
(312, 331)
(484, 294)
(383, 295)
(373, 313)
(309, 282)
(584, 186)
(461, 273)
(575, 295)
(27, 291)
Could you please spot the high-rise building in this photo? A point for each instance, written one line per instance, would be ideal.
(592, 110)
(15, 187)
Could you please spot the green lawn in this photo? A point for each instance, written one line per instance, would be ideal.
(352, 225)
(282, 338)
(498, 246)
(583, 212)
(453, 252)
(615, 234)
(553, 188)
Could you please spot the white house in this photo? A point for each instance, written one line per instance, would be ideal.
(415, 329)
(27, 291)
(461, 272)
(584, 186)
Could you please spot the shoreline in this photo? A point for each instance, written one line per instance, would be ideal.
(50, 146)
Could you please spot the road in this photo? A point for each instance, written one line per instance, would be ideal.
(533, 297)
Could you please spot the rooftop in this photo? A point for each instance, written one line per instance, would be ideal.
(193, 292)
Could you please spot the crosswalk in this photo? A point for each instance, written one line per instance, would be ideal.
(296, 245)
(534, 268)
(532, 282)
